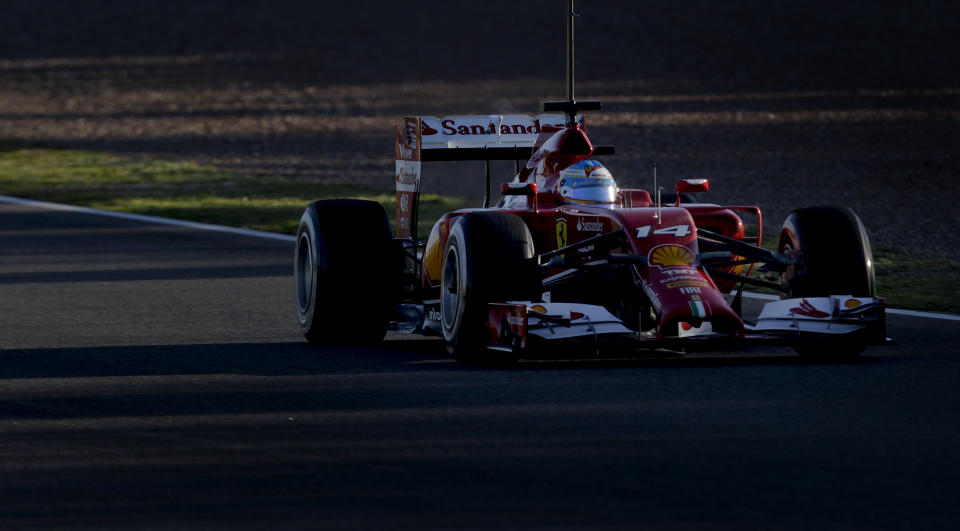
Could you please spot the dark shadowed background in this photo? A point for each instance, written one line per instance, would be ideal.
(780, 104)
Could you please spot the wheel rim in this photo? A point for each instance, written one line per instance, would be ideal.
(450, 292)
(790, 272)
(304, 273)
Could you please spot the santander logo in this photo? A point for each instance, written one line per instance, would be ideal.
(486, 125)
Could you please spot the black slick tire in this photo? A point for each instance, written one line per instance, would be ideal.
(346, 270)
(489, 257)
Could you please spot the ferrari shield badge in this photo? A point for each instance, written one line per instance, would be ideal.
(561, 233)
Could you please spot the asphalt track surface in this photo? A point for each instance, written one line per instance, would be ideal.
(153, 377)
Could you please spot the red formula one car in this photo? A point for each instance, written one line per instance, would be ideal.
(569, 261)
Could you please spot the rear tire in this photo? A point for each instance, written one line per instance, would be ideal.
(489, 257)
(834, 259)
(346, 270)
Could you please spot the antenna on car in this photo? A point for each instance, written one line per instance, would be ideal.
(656, 192)
(570, 15)
(571, 106)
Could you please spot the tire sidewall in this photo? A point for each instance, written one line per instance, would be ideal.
(457, 256)
(305, 268)
(308, 233)
(790, 246)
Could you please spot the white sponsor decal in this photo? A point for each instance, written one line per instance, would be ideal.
(677, 230)
(651, 294)
(433, 315)
(681, 273)
(589, 226)
(407, 175)
(494, 124)
(471, 127)
(492, 129)
(406, 153)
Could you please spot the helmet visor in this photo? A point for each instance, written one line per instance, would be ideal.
(588, 190)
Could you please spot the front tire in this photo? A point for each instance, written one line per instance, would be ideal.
(834, 252)
(489, 257)
(346, 271)
(835, 258)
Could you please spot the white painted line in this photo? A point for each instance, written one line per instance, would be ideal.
(289, 238)
(925, 315)
(150, 219)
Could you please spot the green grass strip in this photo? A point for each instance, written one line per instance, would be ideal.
(183, 190)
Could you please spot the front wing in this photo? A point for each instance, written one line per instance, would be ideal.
(523, 325)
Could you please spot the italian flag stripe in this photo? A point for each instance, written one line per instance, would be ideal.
(697, 309)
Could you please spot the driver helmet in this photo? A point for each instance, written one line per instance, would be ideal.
(587, 182)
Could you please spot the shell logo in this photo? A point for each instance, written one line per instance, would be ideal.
(852, 303)
(670, 256)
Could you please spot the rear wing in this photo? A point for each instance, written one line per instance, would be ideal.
(464, 137)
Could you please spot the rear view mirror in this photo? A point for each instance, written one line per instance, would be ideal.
(518, 188)
(528, 189)
(692, 185)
